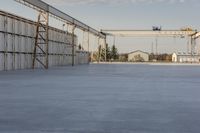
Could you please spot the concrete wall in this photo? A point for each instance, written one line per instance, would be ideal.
(17, 40)
(138, 56)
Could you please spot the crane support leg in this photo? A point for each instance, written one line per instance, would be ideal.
(73, 45)
(40, 53)
(99, 50)
(105, 50)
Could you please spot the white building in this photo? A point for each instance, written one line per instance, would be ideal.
(185, 58)
(138, 56)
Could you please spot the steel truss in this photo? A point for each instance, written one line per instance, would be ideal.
(43, 7)
(40, 53)
(192, 35)
(39, 5)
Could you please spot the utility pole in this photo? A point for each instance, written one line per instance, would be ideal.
(99, 50)
(156, 46)
(152, 51)
(105, 49)
(188, 45)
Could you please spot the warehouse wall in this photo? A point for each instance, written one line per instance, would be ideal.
(82, 57)
(17, 40)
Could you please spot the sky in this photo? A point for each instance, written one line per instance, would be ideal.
(127, 14)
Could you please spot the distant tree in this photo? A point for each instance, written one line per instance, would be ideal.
(108, 52)
(103, 54)
(161, 57)
(114, 53)
(111, 53)
(123, 57)
(151, 57)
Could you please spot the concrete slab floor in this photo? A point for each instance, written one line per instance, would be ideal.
(114, 98)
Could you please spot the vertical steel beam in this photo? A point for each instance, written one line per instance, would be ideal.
(88, 42)
(83, 40)
(188, 44)
(5, 42)
(47, 40)
(105, 49)
(13, 44)
(191, 43)
(156, 45)
(99, 50)
(19, 44)
(73, 45)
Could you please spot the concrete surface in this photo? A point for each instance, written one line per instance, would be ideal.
(114, 98)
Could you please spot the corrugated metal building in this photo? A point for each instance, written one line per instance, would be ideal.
(17, 41)
(185, 58)
(138, 56)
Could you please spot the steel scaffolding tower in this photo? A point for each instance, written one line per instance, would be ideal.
(40, 53)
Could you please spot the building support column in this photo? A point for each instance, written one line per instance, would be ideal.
(73, 45)
(105, 49)
(99, 50)
(88, 42)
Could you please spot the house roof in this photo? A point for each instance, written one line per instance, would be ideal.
(186, 54)
(138, 51)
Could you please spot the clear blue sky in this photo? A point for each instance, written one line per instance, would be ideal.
(128, 14)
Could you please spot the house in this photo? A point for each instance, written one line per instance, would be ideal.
(138, 56)
(185, 58)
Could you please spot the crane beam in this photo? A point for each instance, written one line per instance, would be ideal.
(148, 33)
(57, 13)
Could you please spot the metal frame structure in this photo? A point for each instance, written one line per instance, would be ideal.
(18, 41)
(193, 35)
(148, 33)
(73, 45)
(40, 5)
(46, 9)
(41, 40)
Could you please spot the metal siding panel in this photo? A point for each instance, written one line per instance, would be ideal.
(1, 42)
(1, 61)
(16, 61)
(9, 43)
(9, 25)
(16, 43)
(22, 44)
(29, 30)
(9, 61)
(32, 44)
(50, 62)
(29, 45)
(25, 44)
(23, 29)
(16, 26)
(21, 56)
(1, 23)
